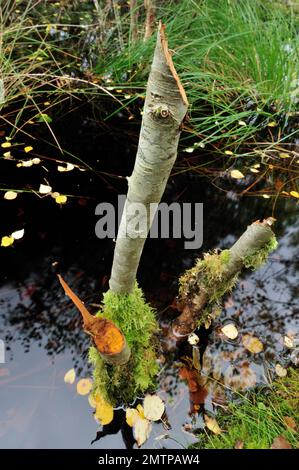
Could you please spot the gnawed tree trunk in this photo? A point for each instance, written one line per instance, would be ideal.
(107, 337)
(164, 110)
(203, 286)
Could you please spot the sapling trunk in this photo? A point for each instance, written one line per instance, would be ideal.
(203, 286)
(164, 110)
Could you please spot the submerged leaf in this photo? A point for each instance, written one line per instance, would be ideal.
(84, 386)
(153, 407)
(252, 344)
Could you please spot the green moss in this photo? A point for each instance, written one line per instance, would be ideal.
(258, 420)
(207, 276)
(259, 257)
(136, 319)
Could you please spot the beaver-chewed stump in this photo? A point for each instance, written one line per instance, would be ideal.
(203, 286)
(107, 337)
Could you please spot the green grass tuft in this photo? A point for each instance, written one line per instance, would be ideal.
(256, 421)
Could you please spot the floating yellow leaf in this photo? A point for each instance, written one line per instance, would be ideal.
(153, 407)
(140, 410)
(141, 430)
(254, 170)
(266, 196)
(6, 145)
(28, 149)
(104, 411)
(69, 167)
(212, 424)
(280, 371)
(189, 149)
(252, 344)
(294, 194)
(27, 163)
(7, 241)
(44, 189)
(84, 386)
(18, 234)
(7, 156)
(61, 199)
(230, 331)
(10, 195)
(36, 161)
(228, 152)
(284, 155)
(272, 124)
(131, 416)
(236, 174)
(288, 342)
(69, 377)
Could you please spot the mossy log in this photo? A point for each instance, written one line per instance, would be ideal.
(203, 286)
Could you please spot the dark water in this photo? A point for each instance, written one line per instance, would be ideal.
(42, 331)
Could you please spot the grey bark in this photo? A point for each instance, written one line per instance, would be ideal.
(164, 110)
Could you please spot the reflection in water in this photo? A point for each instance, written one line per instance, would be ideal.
(39, 410)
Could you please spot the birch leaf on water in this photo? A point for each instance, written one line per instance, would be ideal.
(252, 344)
(236, 174)
(7, 241)
(280, 371)
(69, 377)
(18, 234)
(288, 342)
(230, 331)
(84, 386)
(44, 189)
(103, 410)
(153, 407)
(10, 195)
(141, 430)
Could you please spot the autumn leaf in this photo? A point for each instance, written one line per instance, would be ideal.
(7, 241)
(236, 174)
(69, 377)
(131, 416)
(28, 149)
(141, 430)
(252, 344)
(212, 424)
(18, 234)
(69, 167)
(290, 423)
(84, 386)
(10, 195)
(230, 331)
(295, 194)
(239, 444)
(280, 442)
(44, 189)
(61, 199)
(103, 410)
(153, 407)
(280, 371)
(288, 342)
(6, 145)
